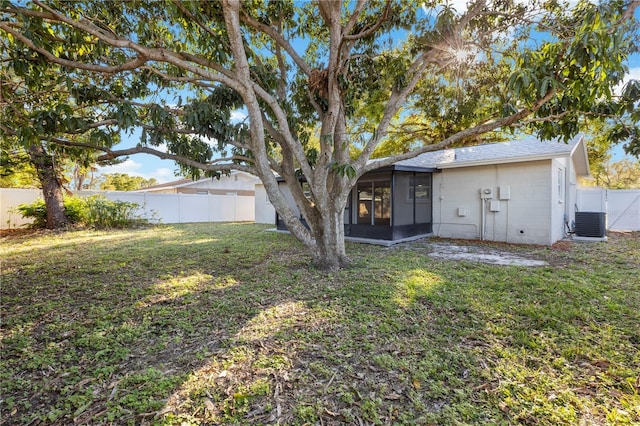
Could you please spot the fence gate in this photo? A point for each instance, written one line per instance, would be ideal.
(624, 210)
(621, 205)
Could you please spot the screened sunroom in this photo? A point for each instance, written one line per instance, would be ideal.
(388, 204)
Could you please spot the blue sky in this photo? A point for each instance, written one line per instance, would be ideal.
(149, 166)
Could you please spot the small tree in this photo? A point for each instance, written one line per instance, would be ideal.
(362, 73)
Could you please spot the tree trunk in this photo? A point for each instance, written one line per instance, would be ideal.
(328, 231)
(51, 187)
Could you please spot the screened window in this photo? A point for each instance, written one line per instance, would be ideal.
(419, 188)
(374, 202)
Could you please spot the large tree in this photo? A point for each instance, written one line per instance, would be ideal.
(362, 74)
(622, 174)
(36, 113)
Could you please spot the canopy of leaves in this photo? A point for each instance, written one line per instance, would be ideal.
(16, 171)
(118, 57)
(125, 182)
(623, 174)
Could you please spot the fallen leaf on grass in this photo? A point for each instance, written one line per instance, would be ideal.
(393, 396)
(615, 393)
(584, 390)
(209, 406)
(331, 413)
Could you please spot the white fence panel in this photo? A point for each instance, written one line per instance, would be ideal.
(624, 210)
(10, 198)
(621, 205)
(219, 210)
(195, 208)
(245, 209)
(592, 199)
(164, 208)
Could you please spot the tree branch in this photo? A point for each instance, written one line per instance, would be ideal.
(110, 154)
(279, 39)
(130, 65)
(192, 17)
(181, 60)
(353, 19)
(367, 32)
(467, 133)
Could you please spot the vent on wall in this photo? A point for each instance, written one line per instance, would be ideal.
(590, 224)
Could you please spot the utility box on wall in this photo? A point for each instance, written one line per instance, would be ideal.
(505, 192)
(486, 193)
(591, 224)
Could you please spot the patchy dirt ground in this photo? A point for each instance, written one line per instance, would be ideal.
(507, 254)
(481, 254)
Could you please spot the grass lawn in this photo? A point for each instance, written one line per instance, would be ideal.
(229, 324)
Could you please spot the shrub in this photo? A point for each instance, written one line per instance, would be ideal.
(105, 213)
(36, 211)
(96, 211)
(76, 209)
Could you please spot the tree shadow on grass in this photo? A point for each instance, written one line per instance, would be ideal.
(222, 325)
(145, 327)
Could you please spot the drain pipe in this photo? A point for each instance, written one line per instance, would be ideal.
(485, 194)
(483, 216)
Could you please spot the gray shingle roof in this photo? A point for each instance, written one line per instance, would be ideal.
(527, 149)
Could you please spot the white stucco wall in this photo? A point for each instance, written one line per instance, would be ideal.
(265, 212)
(239, 183)
(563, 194)
(541, 198)
(524, 218)
(234, 182)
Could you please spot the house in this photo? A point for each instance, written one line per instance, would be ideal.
(521, 191)
(236, 183)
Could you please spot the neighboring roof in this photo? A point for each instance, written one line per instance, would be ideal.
(528, 149)
(168, 185)
(181, 183)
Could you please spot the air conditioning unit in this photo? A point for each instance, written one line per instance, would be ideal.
(591, 224)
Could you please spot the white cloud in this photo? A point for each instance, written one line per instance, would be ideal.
(134, 168)
(461, 6)
(128, 166)
(163, 175)
(238, 115)
(209, 141)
